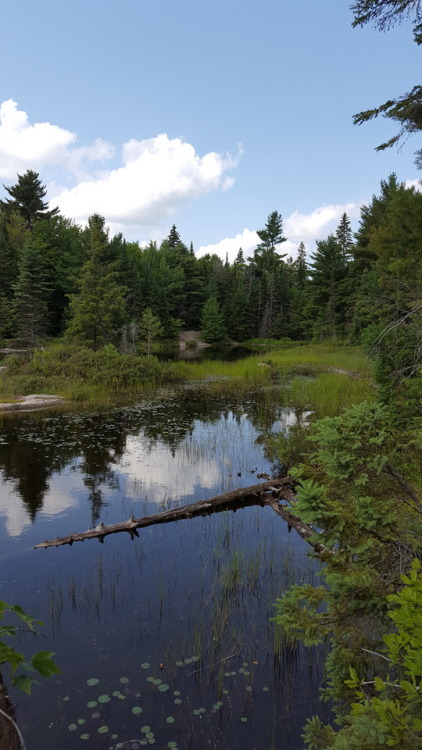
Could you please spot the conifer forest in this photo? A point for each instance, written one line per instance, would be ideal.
(294, 622)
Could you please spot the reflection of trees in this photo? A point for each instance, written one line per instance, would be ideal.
(28, 457)
(34, 446)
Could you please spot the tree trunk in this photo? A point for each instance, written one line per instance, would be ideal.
(9, 738)
(267, 493)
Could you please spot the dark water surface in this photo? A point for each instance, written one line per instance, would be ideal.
(171, 630)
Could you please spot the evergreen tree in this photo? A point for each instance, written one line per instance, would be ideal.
(371, 216)
(174, 237)
(27, 199)
(31, 290)
(150, 328)
(98, 309)
(344, 237)
(63, 257)
(265, 257)
(213, 329)
(300, 267)
(406, 109)
(326, 305)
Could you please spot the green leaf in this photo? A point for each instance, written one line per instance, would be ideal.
(44, 664)
(23, 683)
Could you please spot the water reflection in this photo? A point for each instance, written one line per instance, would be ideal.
(177, 623)
(160, 449)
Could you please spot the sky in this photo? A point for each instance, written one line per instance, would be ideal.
(206, 115)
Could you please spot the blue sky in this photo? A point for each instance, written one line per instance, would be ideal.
(209, 115)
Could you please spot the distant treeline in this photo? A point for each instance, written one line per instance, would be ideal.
(58, 279)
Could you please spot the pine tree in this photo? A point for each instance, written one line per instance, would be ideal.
(27, 199)
(265, 257)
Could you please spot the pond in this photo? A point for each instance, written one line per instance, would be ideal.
(165, 640)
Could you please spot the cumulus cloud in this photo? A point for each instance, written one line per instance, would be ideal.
(158, 174)
(229, 246)
(298, 227)
(154, 177)
(33, 146)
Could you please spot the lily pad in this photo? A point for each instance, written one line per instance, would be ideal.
(145, 665)
(179, 664)
(170, 720)
(92, 704)
(104, 699)
(124, 680)
(72, 727)
(136, 710)
(162, 688)
(84, 736)
(102, 730)
(92, 681)
(145, 729)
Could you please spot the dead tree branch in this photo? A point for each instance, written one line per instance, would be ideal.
(266, 493)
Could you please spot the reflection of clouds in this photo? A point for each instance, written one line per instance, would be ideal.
(288, 418)
(162, 473)
(57, 500)
(12, 509)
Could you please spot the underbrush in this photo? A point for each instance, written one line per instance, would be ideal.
(82, 374)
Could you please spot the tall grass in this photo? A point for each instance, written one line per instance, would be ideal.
(83, 375)
(328, 393)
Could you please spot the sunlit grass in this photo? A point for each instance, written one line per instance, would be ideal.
(309, 359)
(331, 390)
(321, 356)
(328, 393)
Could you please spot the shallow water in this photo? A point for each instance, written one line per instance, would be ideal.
(166, 639)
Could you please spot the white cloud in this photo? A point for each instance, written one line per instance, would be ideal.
(417, 184)
(25, 146)
(317, 224)
(247, 240)
(155, 176)
(298, 227)
(158, 174)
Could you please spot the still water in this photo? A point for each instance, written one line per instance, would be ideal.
(165, 640)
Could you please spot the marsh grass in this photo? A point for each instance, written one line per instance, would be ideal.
(328, 393)
(307, 360)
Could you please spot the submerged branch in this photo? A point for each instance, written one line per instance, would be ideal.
(266, 493)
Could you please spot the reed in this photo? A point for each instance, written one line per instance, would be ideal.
(328, 393)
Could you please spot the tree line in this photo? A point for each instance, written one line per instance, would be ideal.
(61, 279)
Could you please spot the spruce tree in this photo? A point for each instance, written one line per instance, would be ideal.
(31, 291)
(213, 329)
(98, 310)
(344, 237)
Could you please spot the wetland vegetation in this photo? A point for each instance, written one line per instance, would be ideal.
(217, 631)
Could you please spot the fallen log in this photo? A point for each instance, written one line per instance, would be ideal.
(265, 493)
